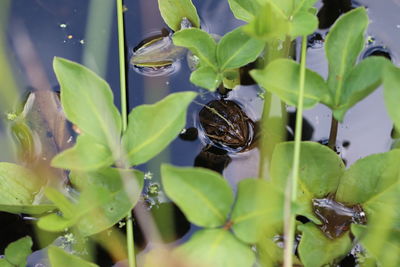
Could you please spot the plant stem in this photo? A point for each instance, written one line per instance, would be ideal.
(333, 133)
(291, 192)
(124, 112)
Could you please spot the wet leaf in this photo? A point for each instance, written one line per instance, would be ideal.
(362, 80)
(237, 49)
(270, 23)
(88, 102)
(85, 155)
(244, 9)
(173, 11)
(391, 81)
(18, 185)
(203, 195)
(316, 249)
(200, 43)
(255, 210)
(60, 258)
(303, 23)
(369, 177)
(381, 244)
(282, 77)
(152, 127)
(343, 45)
(17, 252)
(320, 171)
(216, 247)
(206, 77)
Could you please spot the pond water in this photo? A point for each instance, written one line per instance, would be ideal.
(59, 28)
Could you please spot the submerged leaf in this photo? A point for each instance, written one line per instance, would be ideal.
(237, 49)
(88, 102)
(85, 155)
(216, 247)
(344, 43)
(316, 249)
(152, 127)
(203, 195)
(391, 81)
(282, 77)
(60, 258)
(173, 11)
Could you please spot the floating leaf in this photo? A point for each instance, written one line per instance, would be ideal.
(27, 209)
(282, 77)
(203, 195)
(255, 209)
(244, 9)
(391, 81)
(85, 155)
(343, 45)
(88, 102)
(270, 23)
(18, 186)
(60, 258)
(303, 23)
(173, 11)
(320, 171)
(369, 177)
(17, 252)
(363, 79)
(152, 127)
(200, 43)
(316, 250)
(237, 49)
(206, 77)
(216, 247)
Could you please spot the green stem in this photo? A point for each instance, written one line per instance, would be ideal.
(124, 112)
(291, 195)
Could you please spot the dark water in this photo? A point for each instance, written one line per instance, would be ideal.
(58, 28)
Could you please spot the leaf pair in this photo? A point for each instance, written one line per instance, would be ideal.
(347, 83)
(371, 182)
(105, 199)
(206, 199)
(88, 103)
(235, 49)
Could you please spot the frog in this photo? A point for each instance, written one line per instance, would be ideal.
(159, 51)
(227, 126)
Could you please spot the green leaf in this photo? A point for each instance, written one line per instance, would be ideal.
(60, 258)
(320, 171)
(216, 247)
(203, 195)
(87, 101)
(173, 11)
(270, 23)
(27, 209)
(369, 177)
(18, 185)
(255, 210)
(200, 43)
(282, 77)
(206, 77)
(303, 23)
(107, 196)
(391, 82)
(382, 244)
(244, 9)
(362, 80)
(85, 155)
(237, 49)
(316, 249)
(343, 45)
(152, 127)
(61, 201)
(17, 252)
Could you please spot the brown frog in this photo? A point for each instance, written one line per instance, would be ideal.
(226, 125)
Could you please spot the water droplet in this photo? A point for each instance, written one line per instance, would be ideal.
(82, 41)
(63, 25)
(70, 36)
